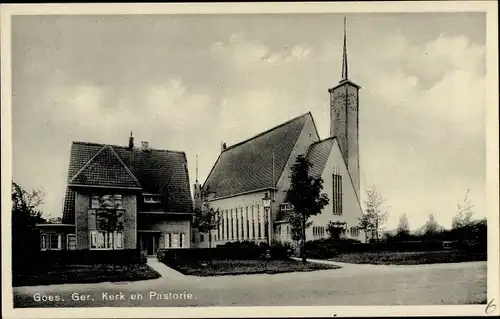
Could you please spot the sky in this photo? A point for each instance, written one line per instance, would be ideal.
(190, 82)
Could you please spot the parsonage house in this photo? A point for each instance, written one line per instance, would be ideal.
(249, 180)
(150, 187)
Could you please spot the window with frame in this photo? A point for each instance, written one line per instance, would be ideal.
(151, 199)
(168, 240)
(232, 225)
(175, 240)
(227, 224)
(71, 242)
(318, 231)
(242, 221)
(181, 240)
(219, 224)
(253, 222)
(354, 231)
(43, 242)
(55, 241)
(106, 240)
(237, 226)
(259, 222)
(247, 222)
(337, 194)
(108, 201)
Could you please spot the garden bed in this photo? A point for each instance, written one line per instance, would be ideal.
(409, 258)
(65, 274)
(245, 267)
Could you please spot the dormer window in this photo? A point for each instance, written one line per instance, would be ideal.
(152, 198)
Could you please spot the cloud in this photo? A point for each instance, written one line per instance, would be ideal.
(422, 104)
(243, 52)
(423, 108)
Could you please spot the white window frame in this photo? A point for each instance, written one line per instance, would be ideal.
(59, 241)
(67, 241)
(175, 240)
(151, 199)
(106, 240)
(168, 240)
(95, 200)
(43, 242)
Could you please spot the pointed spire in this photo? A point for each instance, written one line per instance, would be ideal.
(196, 168)
(344, 55)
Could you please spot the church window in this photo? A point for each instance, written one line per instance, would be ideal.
(231, 225)
(337, 194)
(253, 223)
(227, 224)
(247, 223)
(354, 231)
(237, 223)
(218, 225)
(259, 223)
(242, 221)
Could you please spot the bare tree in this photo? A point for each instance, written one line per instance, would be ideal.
(431, 227)
(403, 228)
(374, 217)
(464, 213)
(207, 219)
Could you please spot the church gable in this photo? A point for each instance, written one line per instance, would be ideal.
(105, 169)
(335, 171)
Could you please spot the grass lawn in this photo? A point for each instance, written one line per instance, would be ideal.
(86, 274)
(242, 267)
(409, 258)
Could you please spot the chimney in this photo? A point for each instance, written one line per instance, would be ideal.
(131, 141)
(223, 146)
(145, 146)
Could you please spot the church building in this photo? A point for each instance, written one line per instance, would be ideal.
(249, 180)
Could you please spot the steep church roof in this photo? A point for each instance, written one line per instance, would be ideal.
(248, 165)
(155, 171)
(318, 154)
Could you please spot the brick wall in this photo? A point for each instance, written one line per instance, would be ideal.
(82, 213)
(167, 225)
(353, 135)
(85, 220)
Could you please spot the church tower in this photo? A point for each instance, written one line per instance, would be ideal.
(344, 120)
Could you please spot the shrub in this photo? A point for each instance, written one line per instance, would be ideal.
(87, 257)
(230, 251)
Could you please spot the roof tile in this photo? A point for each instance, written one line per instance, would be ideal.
(248, 165)
(158, 171)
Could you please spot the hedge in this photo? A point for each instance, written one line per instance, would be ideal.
(329, 248)
(231, 251)
(46, 259)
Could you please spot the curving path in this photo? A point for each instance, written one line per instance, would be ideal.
(351, 285)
